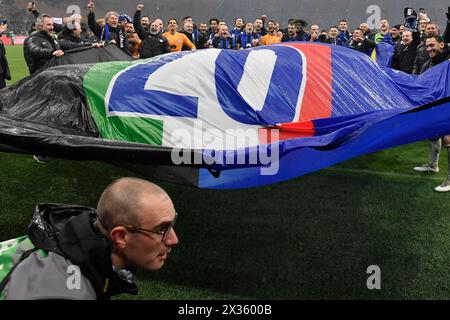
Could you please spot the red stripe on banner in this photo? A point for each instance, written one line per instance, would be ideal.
(317, 101)
(317, 98)
(287, 131)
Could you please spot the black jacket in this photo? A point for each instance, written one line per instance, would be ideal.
(436, 60)
(68, 42)
(56, 26)
(405, 56)
(197, 38)
(116, 34)
(4, 67)
(70, 235)
(363, 46)
(152, 44)
(38, 49)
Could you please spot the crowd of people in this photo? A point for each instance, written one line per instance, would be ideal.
(140, 37)
(417, 42)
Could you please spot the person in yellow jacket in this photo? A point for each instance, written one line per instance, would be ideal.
(177, 39)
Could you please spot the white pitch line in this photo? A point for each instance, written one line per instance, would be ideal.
(428, 176)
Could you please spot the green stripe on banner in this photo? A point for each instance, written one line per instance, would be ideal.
(121, 128)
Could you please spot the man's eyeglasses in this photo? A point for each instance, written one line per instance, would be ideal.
(162, 230)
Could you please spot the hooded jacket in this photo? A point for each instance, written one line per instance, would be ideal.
(74, 260)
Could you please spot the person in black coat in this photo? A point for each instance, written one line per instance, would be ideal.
(111, 33)
(70, 38)
(41, 46)
(405, 52)
(360, 43)
(153, 43)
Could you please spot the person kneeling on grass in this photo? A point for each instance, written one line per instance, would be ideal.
(75, 252)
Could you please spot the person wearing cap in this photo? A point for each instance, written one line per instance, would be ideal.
(110, 33)
(79, 253)
(396, 35)
(123, 20)
(422, 55)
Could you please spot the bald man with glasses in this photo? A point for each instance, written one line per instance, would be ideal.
(75, 252)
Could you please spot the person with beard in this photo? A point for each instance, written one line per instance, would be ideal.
(153, 43)
(366, 30)
(431, 30)
(70, 38)
(300, 25)
(384, 34)
(145, 22)
(110, 33)
(223, 40)
(258, 27)
(32, 7)
(195, 36)
(41, 46)
(405, 51)
(291, 34)
(396, 36)
(134, 42)
(248, 38)
(272, 37)
(360, 43)
(438, 52)
(81, 253)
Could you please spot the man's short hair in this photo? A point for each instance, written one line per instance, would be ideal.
(213, 19)
(119, 203)
(40, 20)
(438, 38)
(109, 14)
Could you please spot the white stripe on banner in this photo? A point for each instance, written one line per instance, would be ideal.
(258, 72)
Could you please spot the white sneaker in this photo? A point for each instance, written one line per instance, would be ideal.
(444, 187)
(41, 159)
(426, 168)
